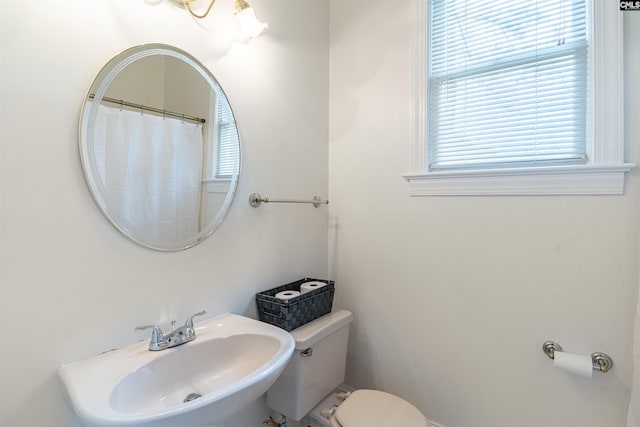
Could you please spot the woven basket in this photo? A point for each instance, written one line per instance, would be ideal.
(297, 311)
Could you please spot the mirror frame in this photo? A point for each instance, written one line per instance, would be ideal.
(88, 115)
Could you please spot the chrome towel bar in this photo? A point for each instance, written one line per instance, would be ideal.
(256, 200)
(600, 361)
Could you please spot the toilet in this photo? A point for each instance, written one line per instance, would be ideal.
(317, 367)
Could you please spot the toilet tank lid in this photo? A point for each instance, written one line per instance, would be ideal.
(309, 334)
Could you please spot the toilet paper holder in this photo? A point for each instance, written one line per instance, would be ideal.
(600, 361)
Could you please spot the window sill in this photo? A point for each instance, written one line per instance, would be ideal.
(217, 185)
(553, 180)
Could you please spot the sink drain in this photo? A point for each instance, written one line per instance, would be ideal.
(191, 396)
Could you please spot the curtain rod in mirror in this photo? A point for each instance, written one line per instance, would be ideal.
(122, 103)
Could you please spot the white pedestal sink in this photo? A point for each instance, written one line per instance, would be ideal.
(231, 363)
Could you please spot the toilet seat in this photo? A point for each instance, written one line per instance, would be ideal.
(366, 408)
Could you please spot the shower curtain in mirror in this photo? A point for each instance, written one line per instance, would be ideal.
(150, 167)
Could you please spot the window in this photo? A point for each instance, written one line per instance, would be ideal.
(507, 84)
(516, 98)
(226, 141)
(222, 146)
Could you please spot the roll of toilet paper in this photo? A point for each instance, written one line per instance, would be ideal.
(287, 295)
(574, 363)
(310, 286)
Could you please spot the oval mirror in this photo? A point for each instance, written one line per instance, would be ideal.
(160, 147)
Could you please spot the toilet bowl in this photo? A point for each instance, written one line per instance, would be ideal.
(317, 367)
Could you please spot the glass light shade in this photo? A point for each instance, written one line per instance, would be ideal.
(250, 27)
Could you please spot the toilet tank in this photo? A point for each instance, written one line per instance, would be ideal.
(316, 367)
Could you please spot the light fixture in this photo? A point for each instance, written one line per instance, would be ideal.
(250, 27)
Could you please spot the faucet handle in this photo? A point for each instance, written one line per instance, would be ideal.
(156, 335)
(189, 322)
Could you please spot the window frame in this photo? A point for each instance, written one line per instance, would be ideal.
(605, 169)
(216, 183)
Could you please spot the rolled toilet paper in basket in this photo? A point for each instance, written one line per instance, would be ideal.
(574, 363)
(310, 286)
(287, 295)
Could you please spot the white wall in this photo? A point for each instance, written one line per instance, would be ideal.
(454, 296)
(71, 285)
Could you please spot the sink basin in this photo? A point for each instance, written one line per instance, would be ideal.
(231, 363)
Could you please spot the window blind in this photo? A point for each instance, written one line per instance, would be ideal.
(227, 141)
(507, 83)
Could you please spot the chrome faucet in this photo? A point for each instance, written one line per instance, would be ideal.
(183, 334)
